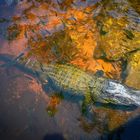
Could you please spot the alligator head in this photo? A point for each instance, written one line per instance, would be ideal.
(109, 91)
(117, 93)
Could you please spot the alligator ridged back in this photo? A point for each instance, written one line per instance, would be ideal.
(68, 77)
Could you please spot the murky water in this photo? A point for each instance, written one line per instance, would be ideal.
(97, 36)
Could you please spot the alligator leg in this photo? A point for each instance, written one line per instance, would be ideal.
(86, 107)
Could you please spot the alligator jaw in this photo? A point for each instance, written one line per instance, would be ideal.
(117, 93)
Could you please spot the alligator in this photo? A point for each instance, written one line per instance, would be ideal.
(66, 78)
(69, 78)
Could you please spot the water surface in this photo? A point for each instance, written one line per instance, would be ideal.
(94, 35)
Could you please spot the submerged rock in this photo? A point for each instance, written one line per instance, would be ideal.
(133, 68)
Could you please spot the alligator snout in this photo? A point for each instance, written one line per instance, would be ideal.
(115, 92)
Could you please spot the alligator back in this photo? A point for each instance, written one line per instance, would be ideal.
(67, 78)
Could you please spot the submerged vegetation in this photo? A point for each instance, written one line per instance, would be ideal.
(119, 32)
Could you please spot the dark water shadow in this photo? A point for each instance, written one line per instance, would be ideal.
(116, 107)
(128, 131)
(53, 137)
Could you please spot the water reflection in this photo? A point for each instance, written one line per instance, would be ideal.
(93, 35)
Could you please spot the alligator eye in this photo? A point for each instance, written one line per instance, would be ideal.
(111, 86)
